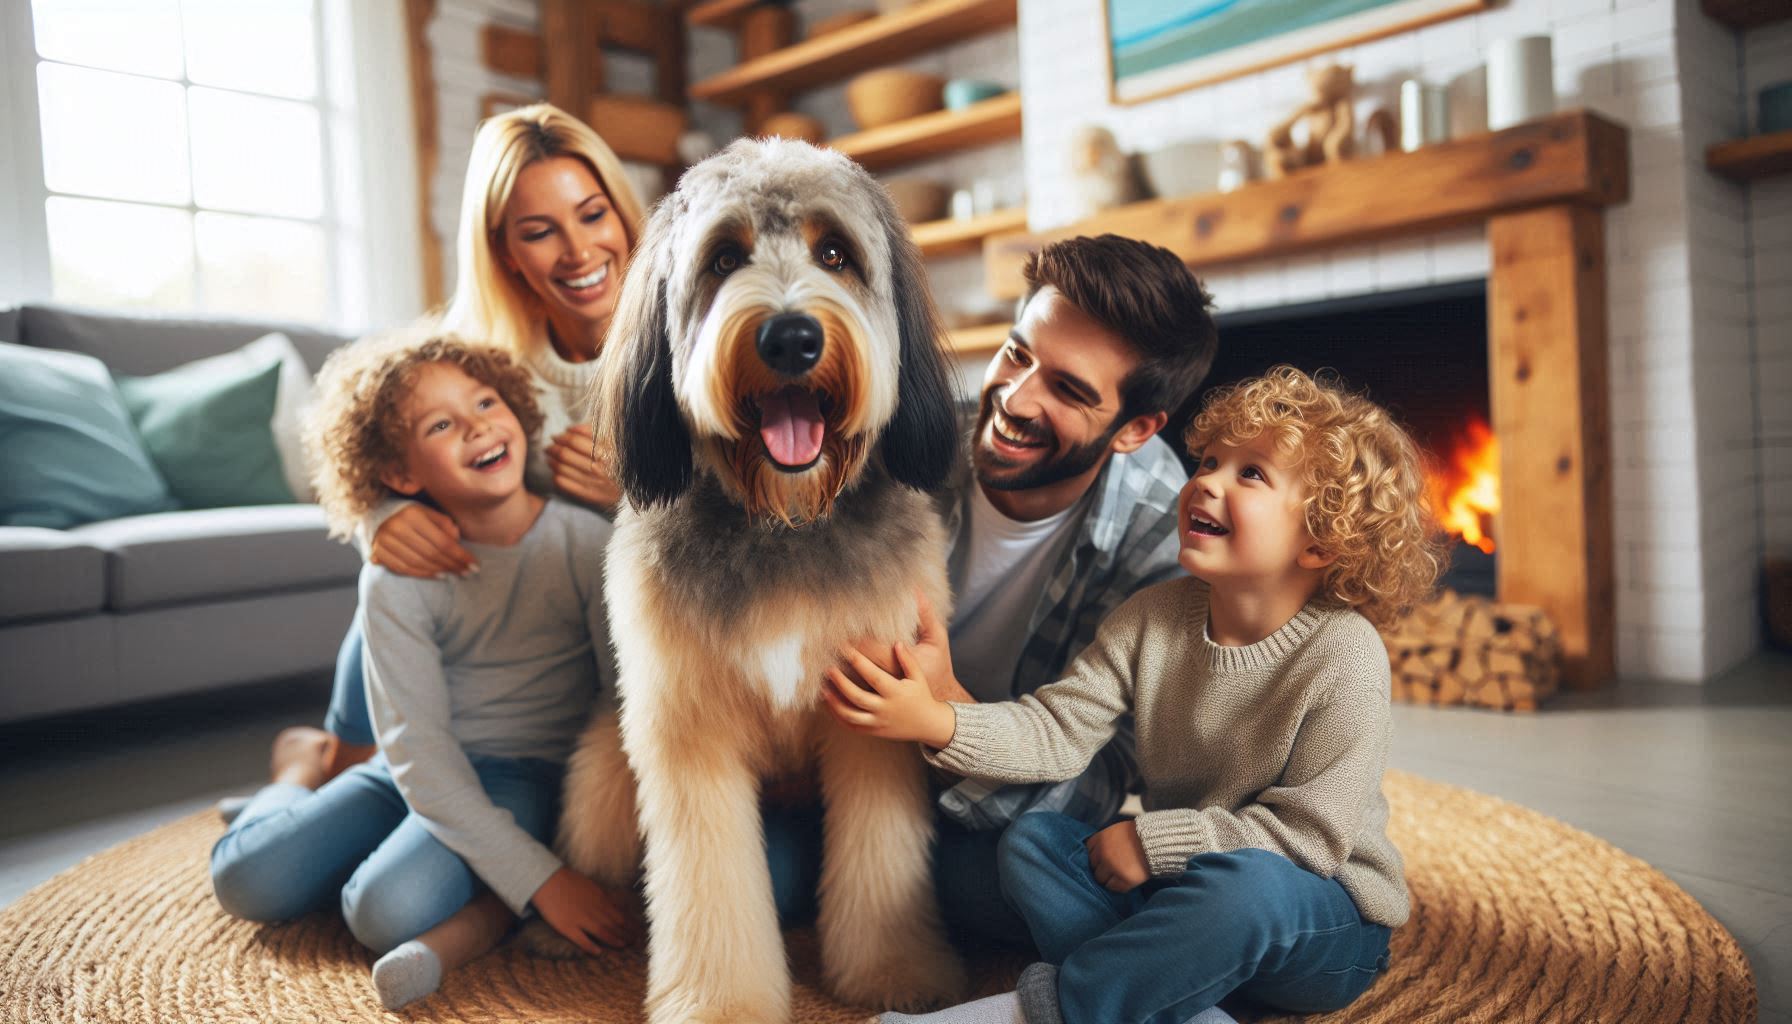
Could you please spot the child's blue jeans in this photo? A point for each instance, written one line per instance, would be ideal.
(1248, 922)
(355, 844)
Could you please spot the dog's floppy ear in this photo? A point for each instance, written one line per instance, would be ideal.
(637, 405)
(920, 444)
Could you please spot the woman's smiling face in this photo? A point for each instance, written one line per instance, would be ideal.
(562, 236)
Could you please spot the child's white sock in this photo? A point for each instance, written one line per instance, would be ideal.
(407, 974)
(1000, 1009)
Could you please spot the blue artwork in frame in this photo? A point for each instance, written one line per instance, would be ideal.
(1161, 46)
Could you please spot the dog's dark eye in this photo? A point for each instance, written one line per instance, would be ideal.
(726, 262)
(833, 256)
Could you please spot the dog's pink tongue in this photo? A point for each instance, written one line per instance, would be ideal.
(791, 426)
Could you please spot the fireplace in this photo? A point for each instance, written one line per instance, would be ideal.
(1540, 190)
(1421, 353)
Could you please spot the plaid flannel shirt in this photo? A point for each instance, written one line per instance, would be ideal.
(1125, 542)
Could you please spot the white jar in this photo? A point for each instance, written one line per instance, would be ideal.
(1520, 81)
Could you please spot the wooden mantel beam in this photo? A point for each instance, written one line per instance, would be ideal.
(1576, 157)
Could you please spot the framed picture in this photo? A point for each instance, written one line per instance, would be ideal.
(1157, 47)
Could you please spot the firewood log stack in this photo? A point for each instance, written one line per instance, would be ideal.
(1470, 650)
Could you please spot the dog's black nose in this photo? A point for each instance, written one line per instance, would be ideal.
(790, 343)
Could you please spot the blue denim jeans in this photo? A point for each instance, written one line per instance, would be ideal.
(355, 844)
(348, 716)
(1248, 922)
(964, 878)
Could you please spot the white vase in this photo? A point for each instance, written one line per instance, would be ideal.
(1520, 81)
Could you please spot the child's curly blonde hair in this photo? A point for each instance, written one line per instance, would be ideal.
(1366, 501)
(354, 432)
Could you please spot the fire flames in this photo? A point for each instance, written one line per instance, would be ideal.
(1465, 487)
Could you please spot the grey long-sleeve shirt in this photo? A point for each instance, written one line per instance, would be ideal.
(1277, 746)
(507, 663)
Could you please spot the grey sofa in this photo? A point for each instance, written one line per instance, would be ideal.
(152, 606)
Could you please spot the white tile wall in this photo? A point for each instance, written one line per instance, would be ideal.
(1695, 479)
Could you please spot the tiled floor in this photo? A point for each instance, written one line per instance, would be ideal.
(1695, 780)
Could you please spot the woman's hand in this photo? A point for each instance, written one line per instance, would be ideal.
(419, 541)
(585, 912)
(894, 708)
(1118, 857)
(576, 474)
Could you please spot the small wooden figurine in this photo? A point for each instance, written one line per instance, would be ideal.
(1329, 120)
(1104, 176)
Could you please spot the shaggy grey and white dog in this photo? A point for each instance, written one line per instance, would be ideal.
(777, 400)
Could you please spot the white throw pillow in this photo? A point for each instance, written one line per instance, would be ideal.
(290, 399)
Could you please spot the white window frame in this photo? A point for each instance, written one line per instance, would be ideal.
(373, 261)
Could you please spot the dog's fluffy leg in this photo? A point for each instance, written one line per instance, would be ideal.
(881, 938)
(714, 950)
(598, 836)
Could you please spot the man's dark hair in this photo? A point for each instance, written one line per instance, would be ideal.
(1146, 295)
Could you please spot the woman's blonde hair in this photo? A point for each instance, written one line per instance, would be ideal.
(354, 431)
(1365, 503)
(488, 301)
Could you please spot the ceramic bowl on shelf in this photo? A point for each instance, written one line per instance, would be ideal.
(917, 199)
(1181, 168)
(886, 96)
(964, 92)
(792, 125)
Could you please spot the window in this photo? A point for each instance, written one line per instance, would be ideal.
(204, 156)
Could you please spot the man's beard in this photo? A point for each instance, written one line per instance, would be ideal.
(1047, 471)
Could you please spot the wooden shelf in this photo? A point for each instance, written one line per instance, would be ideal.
(1761, 156)
(718, 13)
(970, 340)
(1743, 14)
(848, 51)
(1576, 158)
(944, 237)
(944, 131)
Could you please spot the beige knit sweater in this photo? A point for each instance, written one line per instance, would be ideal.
(1278, 746)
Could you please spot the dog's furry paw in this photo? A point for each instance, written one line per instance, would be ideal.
(539, 939)
(925, 979)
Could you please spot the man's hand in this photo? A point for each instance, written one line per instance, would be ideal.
(585, 912)
(894, 708)
(419, 541)
(1118, 857)
(576, 473)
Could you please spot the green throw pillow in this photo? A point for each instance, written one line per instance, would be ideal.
(68, 454)
(207, 427)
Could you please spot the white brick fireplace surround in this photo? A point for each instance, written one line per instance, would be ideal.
(1697, 446)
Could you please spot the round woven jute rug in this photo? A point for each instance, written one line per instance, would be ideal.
(1516, 917)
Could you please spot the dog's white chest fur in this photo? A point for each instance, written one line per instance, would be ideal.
(778, 666)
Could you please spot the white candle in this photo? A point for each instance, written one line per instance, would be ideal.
(1424, 114)
(1520, 81)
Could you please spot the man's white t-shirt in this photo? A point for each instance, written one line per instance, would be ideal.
(1004, 570)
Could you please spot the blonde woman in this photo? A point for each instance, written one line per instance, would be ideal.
(548, 219)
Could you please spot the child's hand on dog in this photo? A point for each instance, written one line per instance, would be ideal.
(584, 912)
(932, 653)
(893, 708)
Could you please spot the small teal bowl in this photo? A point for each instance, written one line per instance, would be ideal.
(1776, 108)
(964, 92)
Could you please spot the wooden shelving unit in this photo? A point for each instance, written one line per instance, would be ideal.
(945, 237)
(1761, 156)
(1745, 14)
(718, 13)
(972, 340)
(879, 41)
(935, 134)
